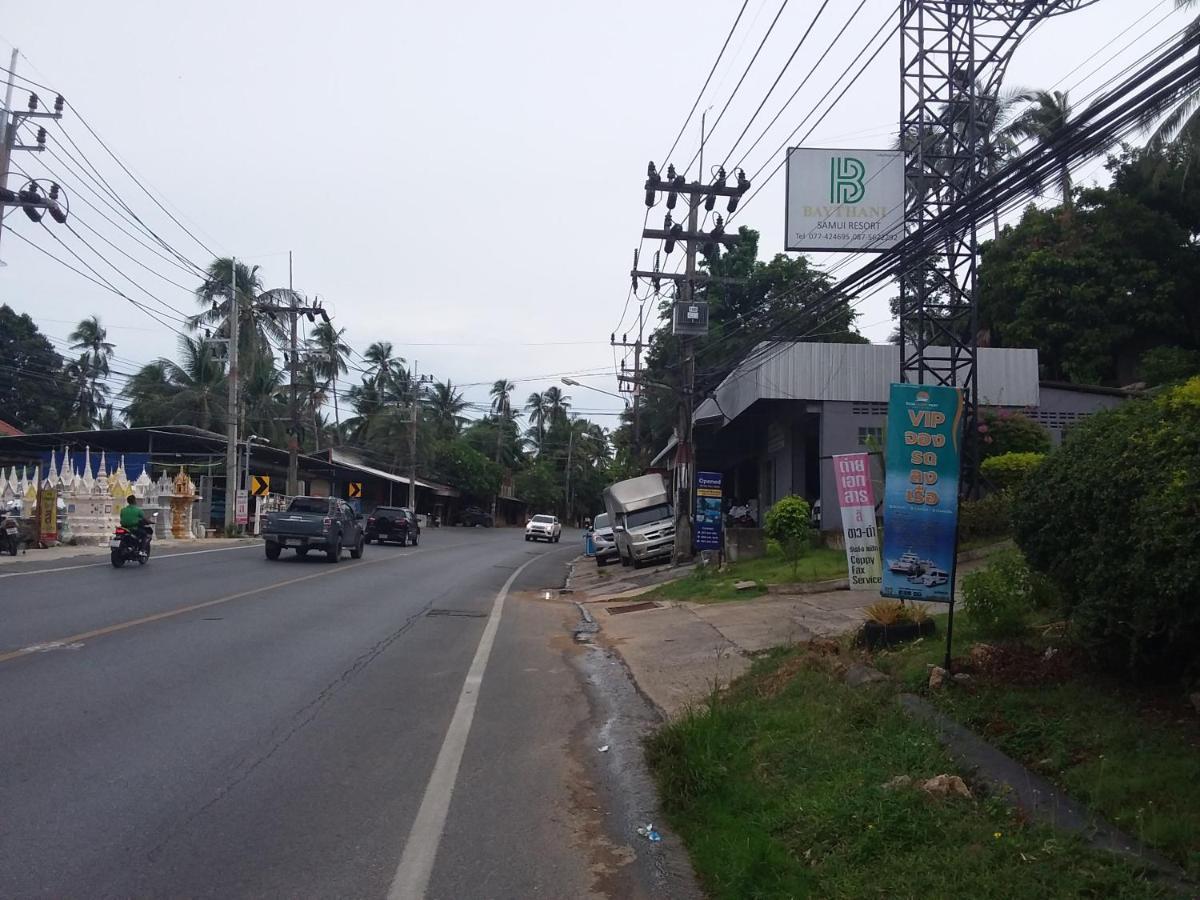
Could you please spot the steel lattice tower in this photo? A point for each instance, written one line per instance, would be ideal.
(953, 56)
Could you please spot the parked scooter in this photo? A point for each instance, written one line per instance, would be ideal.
(127, 546)
(10, 533)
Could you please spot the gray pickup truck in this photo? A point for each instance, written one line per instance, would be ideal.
(324, 524)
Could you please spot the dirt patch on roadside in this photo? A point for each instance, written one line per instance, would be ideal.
(1018, 664)
(820, 654)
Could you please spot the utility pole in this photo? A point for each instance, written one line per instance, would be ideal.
(570, 448)
(690, 316)
(29, 197)
(636, 346)
(231, 466)
(293, 475)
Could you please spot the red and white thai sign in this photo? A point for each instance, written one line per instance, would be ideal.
(856, 499)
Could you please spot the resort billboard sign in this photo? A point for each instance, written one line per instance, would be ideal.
(844, 200)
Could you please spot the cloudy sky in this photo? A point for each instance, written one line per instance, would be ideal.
(463, 179)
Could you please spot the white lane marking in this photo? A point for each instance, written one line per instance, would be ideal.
(105, 564)
(416, 863)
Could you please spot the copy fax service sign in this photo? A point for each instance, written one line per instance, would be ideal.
(844, 200)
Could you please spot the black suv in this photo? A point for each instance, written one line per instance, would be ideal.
(473, 515)
(393, 523)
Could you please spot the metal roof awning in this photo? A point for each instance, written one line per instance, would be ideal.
(350, 461)
(665, 452)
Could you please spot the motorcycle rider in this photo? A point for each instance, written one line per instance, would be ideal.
(133, 520)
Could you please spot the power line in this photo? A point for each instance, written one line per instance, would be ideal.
(803, 82)
(704, 87)
(189, 269)
(737, 86)
(100, 281)
(775, 83)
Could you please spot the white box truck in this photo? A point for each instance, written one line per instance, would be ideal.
(642, 518)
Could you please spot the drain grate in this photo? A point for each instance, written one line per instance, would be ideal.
(633, 607)
(461, 613)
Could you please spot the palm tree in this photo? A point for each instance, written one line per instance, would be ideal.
(263, 398)
(313, 393)
(501, 393)
(256, 325)
(383, 368)
(445, 405)
(539, 414)
(148, 392)
(329, 355)
(557, 403)
(91, 337)
(1043, 120)
(1182, 113)
(197, 384)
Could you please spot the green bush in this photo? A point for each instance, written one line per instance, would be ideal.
(1000, 597)
(1112, 519)
(1009, 469)
(789, 522)
(987, 517)
(1004, 431)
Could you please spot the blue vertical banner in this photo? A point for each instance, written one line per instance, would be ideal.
(920, 506)
(706, 526)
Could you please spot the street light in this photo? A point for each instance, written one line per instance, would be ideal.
(573, 383)
(571, 447)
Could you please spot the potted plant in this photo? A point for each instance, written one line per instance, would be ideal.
(891, 622)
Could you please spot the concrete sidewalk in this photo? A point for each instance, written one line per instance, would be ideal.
(679, 652)
(161, 548)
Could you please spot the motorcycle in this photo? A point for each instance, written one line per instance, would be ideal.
(10, 539)
(127, 546)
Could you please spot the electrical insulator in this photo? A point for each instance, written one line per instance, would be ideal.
(612, 338)
(625, 338)
(656, 281)
(652, 182)
(711, 200)
(667, 228)
(59, 102)
(41, 137)
(29, 196)
(743, 186)
(712, 248)
(33, 102)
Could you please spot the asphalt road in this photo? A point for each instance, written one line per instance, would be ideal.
(215, 724)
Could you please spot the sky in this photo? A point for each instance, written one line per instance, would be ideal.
(463, 179)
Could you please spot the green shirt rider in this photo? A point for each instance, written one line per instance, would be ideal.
(133, 518)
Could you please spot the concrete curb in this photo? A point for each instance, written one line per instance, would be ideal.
(1041, 800)
(809, 587)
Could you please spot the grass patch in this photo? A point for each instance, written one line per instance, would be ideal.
(820, 564)
(776, 790)
(1131, 755)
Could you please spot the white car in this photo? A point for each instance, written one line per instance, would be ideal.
(932, 577)
(603, 540)
(543, 528)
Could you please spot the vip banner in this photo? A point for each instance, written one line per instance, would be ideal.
(920, 514)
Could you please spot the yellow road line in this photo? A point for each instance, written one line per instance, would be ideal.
(183, 610)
